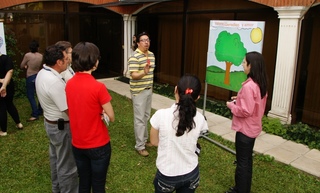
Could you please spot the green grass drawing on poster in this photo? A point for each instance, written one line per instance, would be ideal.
(215, 76)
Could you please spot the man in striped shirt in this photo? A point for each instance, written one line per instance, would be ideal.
(141, 67)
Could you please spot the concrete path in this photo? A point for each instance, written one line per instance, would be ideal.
(288, 152)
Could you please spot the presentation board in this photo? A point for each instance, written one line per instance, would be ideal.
(3, 49)
(229, 41)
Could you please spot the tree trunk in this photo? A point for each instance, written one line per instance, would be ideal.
(227, 73)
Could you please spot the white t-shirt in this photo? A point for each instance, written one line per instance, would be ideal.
(176, 155)
(50, 88)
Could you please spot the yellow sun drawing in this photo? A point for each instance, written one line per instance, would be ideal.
(256, 35)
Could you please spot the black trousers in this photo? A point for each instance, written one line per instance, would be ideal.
(6, 105)
(243, 174)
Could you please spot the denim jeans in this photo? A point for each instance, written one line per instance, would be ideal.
(243, 174)
(181, 184)
(92, 167)
(31, 89)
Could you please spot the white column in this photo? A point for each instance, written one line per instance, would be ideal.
(286, 64)
(129, 37)
(125, 46)
(131, 26)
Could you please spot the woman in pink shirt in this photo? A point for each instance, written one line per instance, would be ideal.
(248, 108)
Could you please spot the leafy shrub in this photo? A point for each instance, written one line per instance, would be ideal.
(273, 126)
(12, 52)
(302, 133)
(164, 90)
(216, 107)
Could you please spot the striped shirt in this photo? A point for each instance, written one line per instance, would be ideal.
(136, 63)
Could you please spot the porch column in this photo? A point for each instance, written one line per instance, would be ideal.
(129, 28)
(130, 33)
(125, 43)
(133, 25)
(286, 63)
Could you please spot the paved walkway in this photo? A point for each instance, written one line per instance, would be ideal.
(288, 152)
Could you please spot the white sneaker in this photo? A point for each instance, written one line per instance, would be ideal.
(3, 133)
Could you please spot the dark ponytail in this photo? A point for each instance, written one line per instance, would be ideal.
(188, 89)
(258, 71)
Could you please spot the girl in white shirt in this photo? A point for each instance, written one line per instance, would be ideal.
(175, 131)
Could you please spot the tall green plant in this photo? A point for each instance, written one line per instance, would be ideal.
(13, 51)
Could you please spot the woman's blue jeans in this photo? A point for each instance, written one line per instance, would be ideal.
(92, 167)
(31, 90)
(181, 184)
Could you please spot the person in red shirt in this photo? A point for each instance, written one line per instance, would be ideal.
(248, 109)
(87, 101)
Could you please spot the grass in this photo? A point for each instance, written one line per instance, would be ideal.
(25, 163)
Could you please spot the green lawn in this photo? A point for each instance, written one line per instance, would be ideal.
(25, 164)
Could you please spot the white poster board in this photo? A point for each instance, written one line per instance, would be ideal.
(229, 41)
(3, 49)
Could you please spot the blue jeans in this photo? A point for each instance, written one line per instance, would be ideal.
(181, 184)
(92, 167)
(31, 89)
(243, 174)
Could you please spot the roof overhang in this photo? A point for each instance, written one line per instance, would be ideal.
(128, 2)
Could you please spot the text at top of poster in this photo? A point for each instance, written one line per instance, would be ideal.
(229, 41)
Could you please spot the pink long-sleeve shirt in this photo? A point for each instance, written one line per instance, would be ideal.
(248, 109)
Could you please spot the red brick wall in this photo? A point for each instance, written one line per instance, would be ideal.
(280, 3)
(119, 9)
(9, 3)
(131, 9)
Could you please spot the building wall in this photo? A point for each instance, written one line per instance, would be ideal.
(186, 45)
(49, 22)
(179, 39)
(183, 49)
(306, 104)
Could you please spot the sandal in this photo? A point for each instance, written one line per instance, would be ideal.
(32, 119)
(19, 126)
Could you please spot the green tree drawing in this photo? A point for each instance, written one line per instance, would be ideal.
(229, 49)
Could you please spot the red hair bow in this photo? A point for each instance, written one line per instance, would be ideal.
(188, 91)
